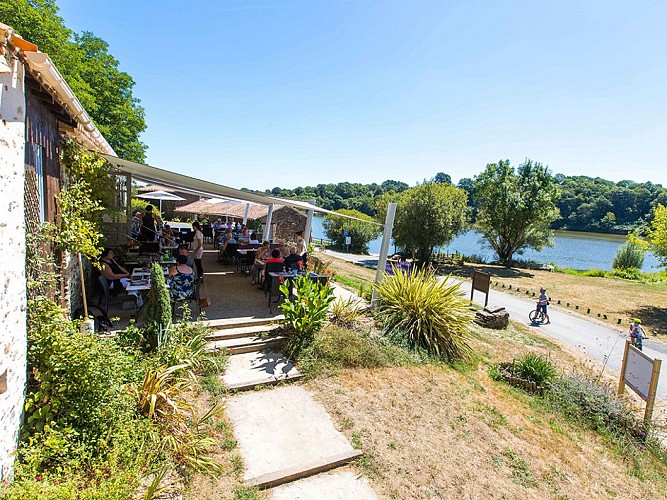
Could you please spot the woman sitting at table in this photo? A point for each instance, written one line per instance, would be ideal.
(262, 254)
(116, 275)
(181, 280)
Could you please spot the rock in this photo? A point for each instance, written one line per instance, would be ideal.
(496, 318)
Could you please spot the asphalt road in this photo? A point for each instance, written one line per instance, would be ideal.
(595, 339)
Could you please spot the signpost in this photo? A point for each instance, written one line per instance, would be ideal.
(348, 239)
(640, 373)
(482, 282)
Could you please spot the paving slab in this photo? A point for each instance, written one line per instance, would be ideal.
(283, 434)
(340, 485)
(261, 367)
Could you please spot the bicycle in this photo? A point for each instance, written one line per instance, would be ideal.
(536, 317)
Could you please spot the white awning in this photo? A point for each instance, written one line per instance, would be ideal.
(192, 185)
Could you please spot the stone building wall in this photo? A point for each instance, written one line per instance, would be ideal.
(13, 339)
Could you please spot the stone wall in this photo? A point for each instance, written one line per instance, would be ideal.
(13, 341)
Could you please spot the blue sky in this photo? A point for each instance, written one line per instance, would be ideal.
(259, 93)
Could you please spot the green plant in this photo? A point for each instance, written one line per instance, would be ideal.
(305, 313)
(430, 313)
(627, 273)
(535, 368)
(361, 229)
(596, 406)
(158, 307)
(629, 255)
(345, 312)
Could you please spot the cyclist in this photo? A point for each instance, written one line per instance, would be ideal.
(543, 302)
(637, 333)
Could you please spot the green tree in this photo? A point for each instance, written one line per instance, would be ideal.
(515, 210)
(92, 73)
(428, 215)
(360, 232)
(158, 307)
(657, 233)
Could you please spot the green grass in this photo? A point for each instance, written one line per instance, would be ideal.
(336, 348)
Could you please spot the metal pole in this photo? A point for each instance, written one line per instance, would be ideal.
(269, 216)
(245, 215)
(309, 225)
(384, 248)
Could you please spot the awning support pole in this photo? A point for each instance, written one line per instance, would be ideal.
(309, 223)
(245, 214)
(269, 216)
(384, 249)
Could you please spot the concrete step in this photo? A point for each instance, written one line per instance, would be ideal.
(240, 332)
(284, 435)
(246, 344)
(225, 323)
(265, 367)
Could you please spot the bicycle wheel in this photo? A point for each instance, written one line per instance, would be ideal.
(536, 316)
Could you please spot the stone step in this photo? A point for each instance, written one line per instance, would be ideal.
(265, 367)
(226, 323)
(246, 344)
(240, 332)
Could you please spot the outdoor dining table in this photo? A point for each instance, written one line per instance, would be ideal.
(138, 286)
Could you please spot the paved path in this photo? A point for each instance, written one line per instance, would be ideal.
(598, 341)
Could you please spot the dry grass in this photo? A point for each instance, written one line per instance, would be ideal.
(435, 432)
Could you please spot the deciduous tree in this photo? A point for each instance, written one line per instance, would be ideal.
(515, 209)
(428, 215)
(360, 232)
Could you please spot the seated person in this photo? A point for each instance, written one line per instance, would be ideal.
(116, 275)
(262, 254)
(183, 250)
(293, 260)
(253, 239)
(136, 225)
(228, 240)
(218, 225)
(181, 279)
(275, 257)
(284, 251)
(168, 236)
(244, 236)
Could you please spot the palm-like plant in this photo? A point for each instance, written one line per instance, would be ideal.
(430, 312)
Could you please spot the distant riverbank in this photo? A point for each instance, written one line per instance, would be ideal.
(572, 249)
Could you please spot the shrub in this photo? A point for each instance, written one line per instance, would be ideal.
(535, 368)
(346, 312)
(627, 273)
(629, 255)
(75, 397)
(595, 405)
(429, 312)
(306, 313)
(158, 307)
(360, 232)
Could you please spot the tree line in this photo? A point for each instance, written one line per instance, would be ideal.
(584, 203)
(513, 209)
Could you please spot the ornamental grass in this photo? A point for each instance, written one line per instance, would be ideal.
(428, 312)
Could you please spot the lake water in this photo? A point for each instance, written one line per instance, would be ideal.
(575, 250)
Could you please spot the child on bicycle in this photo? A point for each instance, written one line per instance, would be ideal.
(637, 333)
(543, 302)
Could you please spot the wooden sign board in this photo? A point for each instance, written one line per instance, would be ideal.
(482, 282)
(640, 373)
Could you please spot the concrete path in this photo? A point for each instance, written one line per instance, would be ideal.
(284, 435)
(250, 369)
